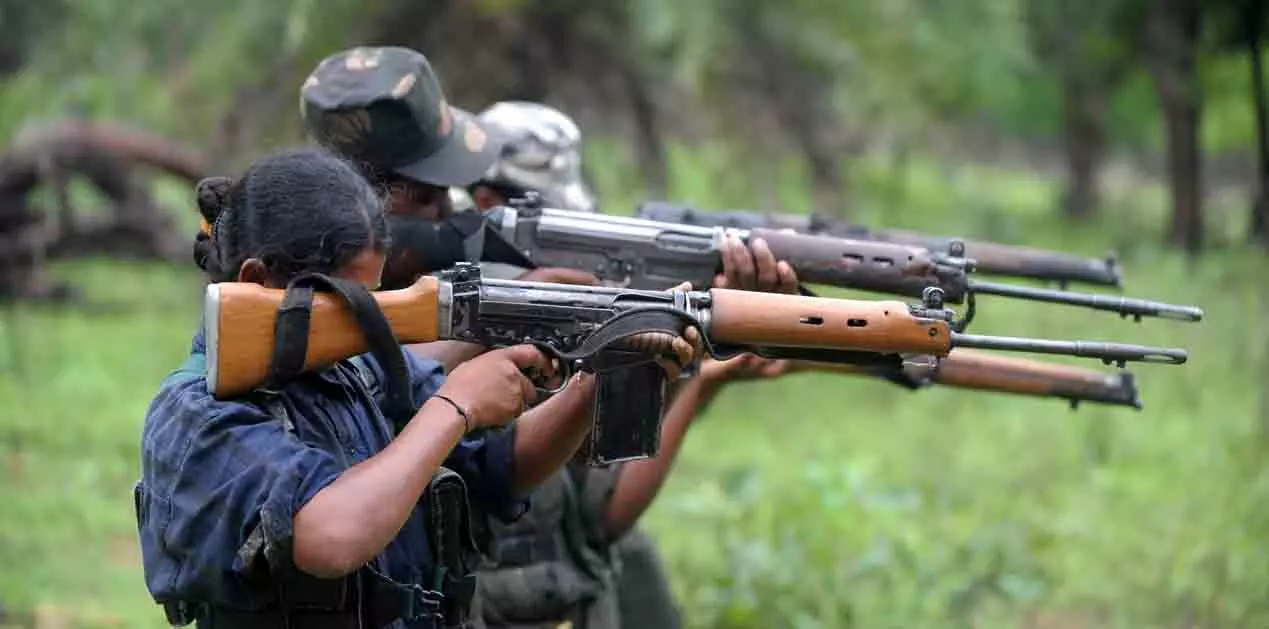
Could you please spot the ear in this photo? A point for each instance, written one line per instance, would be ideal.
(254, 271)
(486, 199)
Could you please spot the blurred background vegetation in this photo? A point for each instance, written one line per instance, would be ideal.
(813, 501)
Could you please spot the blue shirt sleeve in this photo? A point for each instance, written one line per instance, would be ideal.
(221, 483)
(485, 461)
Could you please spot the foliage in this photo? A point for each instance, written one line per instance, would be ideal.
(815, 501)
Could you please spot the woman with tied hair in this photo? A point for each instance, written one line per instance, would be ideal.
(305, 506)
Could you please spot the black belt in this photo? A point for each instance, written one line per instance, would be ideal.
(385, 601)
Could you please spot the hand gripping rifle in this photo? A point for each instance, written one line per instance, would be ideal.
(582, 327)
(644, 254)
(989, 258)
(984, 371)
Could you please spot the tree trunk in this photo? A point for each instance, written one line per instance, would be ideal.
(1173, 32)
(1084, 136)
(1259, 228)
(648, 141)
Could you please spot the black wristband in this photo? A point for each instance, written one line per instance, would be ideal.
(457, 409)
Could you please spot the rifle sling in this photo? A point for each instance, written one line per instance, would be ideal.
(291, 330)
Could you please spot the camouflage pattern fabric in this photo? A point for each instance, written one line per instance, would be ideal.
(384, 106)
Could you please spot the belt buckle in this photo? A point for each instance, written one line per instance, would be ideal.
(423, 603)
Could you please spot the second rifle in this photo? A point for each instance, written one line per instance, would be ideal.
(644, 254)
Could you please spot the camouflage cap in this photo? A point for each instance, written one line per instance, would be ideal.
(541, 152)
(385, 106)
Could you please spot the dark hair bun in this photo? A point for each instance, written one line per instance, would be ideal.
(213, 197)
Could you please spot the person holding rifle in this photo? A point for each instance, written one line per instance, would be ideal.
(413, 145)
(582, 549)
(355, 495)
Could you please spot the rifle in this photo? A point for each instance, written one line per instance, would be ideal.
(982, 371)
(582, 327)
(989, 258)
(639, 253)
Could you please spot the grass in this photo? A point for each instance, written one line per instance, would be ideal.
(810, 501)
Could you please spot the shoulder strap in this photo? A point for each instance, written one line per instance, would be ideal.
(292, 329)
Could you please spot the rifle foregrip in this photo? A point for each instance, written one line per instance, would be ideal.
(858, 264)
(980, 370)
(240, 319)
(769, 319)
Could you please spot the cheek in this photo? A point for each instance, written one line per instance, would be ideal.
(366, 269)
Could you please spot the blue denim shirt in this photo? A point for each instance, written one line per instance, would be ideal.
(215, 471)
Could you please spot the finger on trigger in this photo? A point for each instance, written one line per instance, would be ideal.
(528, 356)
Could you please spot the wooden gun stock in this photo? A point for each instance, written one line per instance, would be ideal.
(240, 319)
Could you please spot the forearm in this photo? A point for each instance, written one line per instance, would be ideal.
(449, 354)
(548, 435)
(350, 521)
(641, 480)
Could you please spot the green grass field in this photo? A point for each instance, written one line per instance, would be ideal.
(812, 501)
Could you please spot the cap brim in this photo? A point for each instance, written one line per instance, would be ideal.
(463, 159)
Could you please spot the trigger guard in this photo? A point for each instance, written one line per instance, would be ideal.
(566, 371)
(566, 374)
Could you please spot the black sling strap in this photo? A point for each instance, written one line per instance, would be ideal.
(290, 337)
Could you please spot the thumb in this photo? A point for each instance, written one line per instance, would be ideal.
(527, 356)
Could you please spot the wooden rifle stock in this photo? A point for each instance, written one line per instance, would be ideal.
(240, 320)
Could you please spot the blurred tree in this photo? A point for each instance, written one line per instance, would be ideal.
(580, 54)
(1171, 51)
(22, 24)
(796, 83)
(1084, 45)
(1240, 27)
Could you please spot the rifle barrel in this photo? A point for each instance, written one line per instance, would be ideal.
(1108, 352)
(1125, 306)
